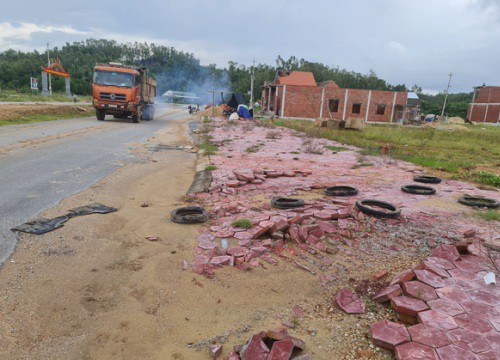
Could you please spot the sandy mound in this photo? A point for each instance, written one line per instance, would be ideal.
(17, 111)
(456, 120)
(354, 123)
(208, 112)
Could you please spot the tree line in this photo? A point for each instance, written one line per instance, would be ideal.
(181, 71)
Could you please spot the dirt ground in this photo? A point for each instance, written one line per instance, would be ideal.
(15, 111)
(98, 289)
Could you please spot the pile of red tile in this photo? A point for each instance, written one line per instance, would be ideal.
(457, 315)
(271, 345)
(309, 227)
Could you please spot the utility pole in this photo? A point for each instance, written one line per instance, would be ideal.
(48, 65)
(252, 77)
(213, 93)
(446, 94)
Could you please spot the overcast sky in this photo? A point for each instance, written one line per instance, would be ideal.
(411, 42)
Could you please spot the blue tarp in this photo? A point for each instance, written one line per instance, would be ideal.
(243, 112)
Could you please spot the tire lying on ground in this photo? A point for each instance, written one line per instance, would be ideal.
(418, 189)
(189, 215)
(369, 207)
(427, 179)
(286, 203)
(341, 191)
(478, 201)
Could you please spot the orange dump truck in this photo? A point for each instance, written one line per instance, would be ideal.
(123, 91)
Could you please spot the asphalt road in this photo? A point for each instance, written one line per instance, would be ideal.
(43, 163)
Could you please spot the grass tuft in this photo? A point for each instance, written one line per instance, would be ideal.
(242, 223)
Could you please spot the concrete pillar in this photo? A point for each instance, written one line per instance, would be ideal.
(472, 105)
(322, 102)
(45, 84)
(345, 103)
(393, 105)
(368, 105)
(68, 88)
(283, 102)
(276, 100)
(269, 98)
(487, 106)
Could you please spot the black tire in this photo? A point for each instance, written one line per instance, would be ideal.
(367, 207)
(418, 189)
(100, 114)
(189, 215)
(478, 201)
(341, 191)
(427, 179)
(286, 203)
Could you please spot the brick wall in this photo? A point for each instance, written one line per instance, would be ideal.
(305, 102)
(484, 107)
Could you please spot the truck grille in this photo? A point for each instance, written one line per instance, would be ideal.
(112, 96)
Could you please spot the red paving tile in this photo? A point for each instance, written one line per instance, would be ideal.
(419, 290)
(473, 307)
(474, 322)
(408, 306)
(452, 293)
(495, 321)
(468, 340)
(484, 297)
(453, 352)
(414, 351)
(437, 319)
(446, 306)
(403, 277)
(389, 334)
(429, 335)
(349, 302)
(488, 355)
(493, 339)
(429, 278)
(447, 252)
(388, 293)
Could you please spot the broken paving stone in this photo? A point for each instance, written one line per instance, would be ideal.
(408, 306)
(388, 293)
(220, 260)
(215, 350)
(403, 277)
(379, 275)
(389, 334)
(469, 233)
(414, 351)
(256, 349)
(419, 290)
(435, 269)
(349, 302)
(281, 350)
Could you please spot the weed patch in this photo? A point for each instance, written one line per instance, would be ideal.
(242, 223)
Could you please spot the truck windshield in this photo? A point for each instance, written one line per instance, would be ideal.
(113, 78)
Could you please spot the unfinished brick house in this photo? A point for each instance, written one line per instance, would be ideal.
(485, 106)
(295, 94)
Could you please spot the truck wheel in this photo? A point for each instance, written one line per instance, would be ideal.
(100, 114)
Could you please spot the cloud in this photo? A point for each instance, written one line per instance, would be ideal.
(21, 36)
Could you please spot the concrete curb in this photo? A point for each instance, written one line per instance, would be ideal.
(202, 178)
